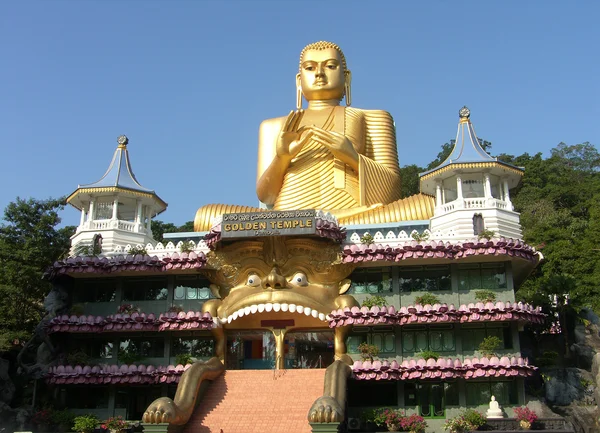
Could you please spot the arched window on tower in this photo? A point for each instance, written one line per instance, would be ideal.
(478, 226)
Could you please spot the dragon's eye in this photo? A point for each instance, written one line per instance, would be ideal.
(299, 279)
(253, 280)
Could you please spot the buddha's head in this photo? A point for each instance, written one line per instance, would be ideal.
(323, 73)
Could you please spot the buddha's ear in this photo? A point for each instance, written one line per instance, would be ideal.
(348, 86)
(298, 92)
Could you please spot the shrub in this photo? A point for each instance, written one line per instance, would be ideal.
(78, 357)
(137, 250)
(42, 416)
(413, 423)
(128, 357)
(525, 414)
(184, 359)
(127, 309)
(368, 351)
(474, 418)
(485, 295)
(366, 239)
(186, 247)
(76, 309)
(175, 309)
(420, 237)
(388, 417)
(115, 423)
(427, 298)
(547, 359)
(486, 234)
(427, 354)
(371, 301)
(489, 345)
(85, 423)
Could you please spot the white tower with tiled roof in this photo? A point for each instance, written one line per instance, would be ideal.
(471, 189)
(116, 210)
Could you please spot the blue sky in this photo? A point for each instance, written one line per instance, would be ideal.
(190, 81)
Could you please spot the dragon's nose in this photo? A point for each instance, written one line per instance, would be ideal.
(274, 280)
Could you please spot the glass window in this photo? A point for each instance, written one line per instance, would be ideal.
(438, 339)
(81, 398)
(371, 280)
(148, 289)
(104, 290)
(379, 393)
(384, 339)
(197, 347)
(425, 278)
(482, 276)
(480, 393)
(191, 287)
(431, 400)
(473, 336)
(143, 347)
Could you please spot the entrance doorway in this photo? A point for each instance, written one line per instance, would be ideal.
(250, 350)
(431, 400)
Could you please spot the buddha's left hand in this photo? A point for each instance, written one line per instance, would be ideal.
(338, 144)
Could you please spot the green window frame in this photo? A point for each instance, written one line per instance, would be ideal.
(191, 287)
(146, 289)
(429, 398)
(384, 338)
(144, 347)
(437, 339)
(490, 276)
(473, 335)
(480, 393)
(97, 290)
(371, 281)
(197, 347)
(425, 278)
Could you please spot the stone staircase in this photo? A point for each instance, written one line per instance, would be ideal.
(258, 401)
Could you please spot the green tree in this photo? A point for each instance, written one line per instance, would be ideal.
(159, 228)
(29, 243)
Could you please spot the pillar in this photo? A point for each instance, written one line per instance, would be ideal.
(149, 220)
(459, 193)
(438, 193)
(507, 194)
(82, 219)
(114, 209)
(138, 212)
(91, 212)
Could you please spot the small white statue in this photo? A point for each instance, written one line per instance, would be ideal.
(494, 411)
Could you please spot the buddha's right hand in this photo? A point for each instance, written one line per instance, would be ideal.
(291, 140)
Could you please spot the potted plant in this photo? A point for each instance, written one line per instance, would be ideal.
(115, 424)
(525, 416)
(474, 419)
(85, 423)
(427, 298)
(489, 345)
(63, 419)
(413, 423)
(391, 418)
(485, 296)
(42, 419)
(368, 351)
(127, 309)
(458, 424)
(372, 301)
(184, 359)
(427, 354)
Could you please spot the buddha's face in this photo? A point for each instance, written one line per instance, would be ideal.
(322, 75)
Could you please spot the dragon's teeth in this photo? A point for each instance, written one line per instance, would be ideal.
(300, 309)
(276, 307)
(292, 308)
(321, 316)
(254, 308)
(284, 307)
(268, 307)
(261, 308)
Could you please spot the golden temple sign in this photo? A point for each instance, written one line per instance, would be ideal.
(270, 223)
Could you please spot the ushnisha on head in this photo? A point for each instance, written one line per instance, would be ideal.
(323, 74)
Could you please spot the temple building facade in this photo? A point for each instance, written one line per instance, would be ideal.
(335, 297)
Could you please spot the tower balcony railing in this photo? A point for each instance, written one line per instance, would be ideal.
(110, 224)
(475, 203)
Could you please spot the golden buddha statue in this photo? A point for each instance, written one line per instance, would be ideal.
(342, 160)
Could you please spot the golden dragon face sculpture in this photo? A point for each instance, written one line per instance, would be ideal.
(278, 278)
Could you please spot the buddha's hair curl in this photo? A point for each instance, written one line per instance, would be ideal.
(323, 45)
